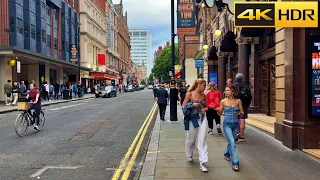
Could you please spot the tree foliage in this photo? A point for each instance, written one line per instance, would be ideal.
(162, 64)
(143, 82)
(150, 79)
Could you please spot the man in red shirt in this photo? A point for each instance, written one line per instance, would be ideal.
(34, 97)
(213, 102)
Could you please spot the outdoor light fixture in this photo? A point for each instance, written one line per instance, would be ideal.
(217, 32)
(12, 62)
(203, 5)
(205, 47)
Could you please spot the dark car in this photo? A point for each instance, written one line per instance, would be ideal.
(137, 88)
(106, 91)
(141, 86)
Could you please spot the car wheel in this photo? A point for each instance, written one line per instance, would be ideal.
(115, 94)
(97, 96)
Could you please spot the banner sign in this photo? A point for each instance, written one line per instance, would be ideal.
(213, 77)
(186, 17)
(315, 75)
(102, 59)
(199, 63)
(74, 53)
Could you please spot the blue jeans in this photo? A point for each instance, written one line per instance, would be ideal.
(231, 130)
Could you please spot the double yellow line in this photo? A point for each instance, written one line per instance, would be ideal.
(125, 165)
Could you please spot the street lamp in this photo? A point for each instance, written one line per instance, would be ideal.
(173, 89)
(205, 47)
(217, 32)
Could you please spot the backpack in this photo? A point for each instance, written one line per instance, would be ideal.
(244, 93)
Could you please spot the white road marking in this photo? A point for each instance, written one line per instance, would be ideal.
(38, 173)
(64, 107)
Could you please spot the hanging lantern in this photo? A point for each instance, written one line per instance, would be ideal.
(12, 62)
(217, 33)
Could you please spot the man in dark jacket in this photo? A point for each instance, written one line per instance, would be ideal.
(244, 94)
(162, 99)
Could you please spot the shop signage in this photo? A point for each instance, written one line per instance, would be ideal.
(315, 76)
(186, 17)
(102, 59)
(199, 63)
(18, 67)
(74, 53)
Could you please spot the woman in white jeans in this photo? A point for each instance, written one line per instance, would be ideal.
(197, 99)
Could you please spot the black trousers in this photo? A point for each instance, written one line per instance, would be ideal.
(162, 109)
(212, 115)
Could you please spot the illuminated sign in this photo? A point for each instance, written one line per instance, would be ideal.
(315, 75)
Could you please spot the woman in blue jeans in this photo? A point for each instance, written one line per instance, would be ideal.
(231, 107)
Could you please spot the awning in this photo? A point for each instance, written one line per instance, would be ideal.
(101, 75)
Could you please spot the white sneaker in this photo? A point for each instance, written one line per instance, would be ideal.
(203, 167)
(189, 159)
(35, 127)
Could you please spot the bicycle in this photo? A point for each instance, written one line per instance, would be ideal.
(26, 119)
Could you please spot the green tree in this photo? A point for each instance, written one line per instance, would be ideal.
(143, 82)
(150, 79)
(162, 64)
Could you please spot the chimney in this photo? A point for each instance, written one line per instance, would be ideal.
(168, 44)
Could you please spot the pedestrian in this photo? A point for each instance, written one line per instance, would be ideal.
(167, 88)
(162, 100)
(194, 108)
(62, 88)
(56, 88)
(120, 88)
(22, 87)
(75, 89)
(182, 92)
(231, 107)
(244, 94)
(50, 92)
(7, 91)
(213, 102)
(229, 82)
(45, 91)
(155, 90)
(15, 93)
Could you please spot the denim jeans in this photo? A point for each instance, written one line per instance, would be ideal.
(231, 130)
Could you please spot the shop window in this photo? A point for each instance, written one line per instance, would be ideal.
(33, 31)
(43, 35)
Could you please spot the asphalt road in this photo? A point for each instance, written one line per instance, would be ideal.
(81, 140)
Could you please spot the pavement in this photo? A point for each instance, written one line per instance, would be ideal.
(85, 139)
(6, 109)
(261, 157)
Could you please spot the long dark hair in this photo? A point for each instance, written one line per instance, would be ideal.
(233, 89)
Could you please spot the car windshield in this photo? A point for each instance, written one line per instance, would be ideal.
(130, 87)
(106, 88)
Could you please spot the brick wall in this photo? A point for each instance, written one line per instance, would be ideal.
(4, 35)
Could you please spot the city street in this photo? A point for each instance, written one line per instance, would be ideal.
(81, 140)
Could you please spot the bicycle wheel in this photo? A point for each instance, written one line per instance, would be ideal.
(21, 124)
(42, 119)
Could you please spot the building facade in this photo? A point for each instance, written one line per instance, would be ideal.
(141, 48)
(39, 38)
(276, 63)
(158, 52)
(122, 40)
(93, 38)
(141, 73)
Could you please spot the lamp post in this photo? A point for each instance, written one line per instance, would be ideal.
(173, 90)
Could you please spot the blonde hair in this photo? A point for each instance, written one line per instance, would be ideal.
(195, 84)
(212, 86)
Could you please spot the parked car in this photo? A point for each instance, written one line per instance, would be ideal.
(106, 91)
(137, 88)
(141, 86)
(129, 88)
(150, 87)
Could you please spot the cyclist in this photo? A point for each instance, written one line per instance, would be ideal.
(34, 97)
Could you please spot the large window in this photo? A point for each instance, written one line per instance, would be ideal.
(33, 31)
(143, 34)
(63, 46)
(19, 25)
(48, 40)
(26, 30)
(43, 36)
(55, 43)
(136, 34)
(88, 10)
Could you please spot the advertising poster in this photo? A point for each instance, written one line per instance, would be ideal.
(186, 17)
(213, 77)
(315, 75)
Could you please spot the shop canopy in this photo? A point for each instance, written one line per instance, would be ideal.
(101, 75)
